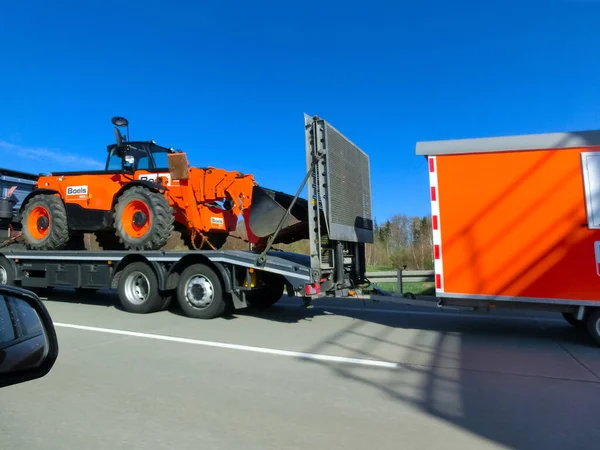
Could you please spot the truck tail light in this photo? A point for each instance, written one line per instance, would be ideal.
(312, 289)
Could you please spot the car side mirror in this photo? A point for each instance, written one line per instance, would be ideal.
(28, 342)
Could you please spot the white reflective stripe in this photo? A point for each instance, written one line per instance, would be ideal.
(247, 348)
(506, 298)
(64, 258)
(435, 215)
(597, 251)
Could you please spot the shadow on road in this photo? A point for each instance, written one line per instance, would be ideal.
(518, 411)
(516, 383)
(105, 298)
(521, 382)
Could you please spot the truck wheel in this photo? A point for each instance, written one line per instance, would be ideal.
(268, 294)
(593, 325)
(44, 223)
(167, 299)
(572, 319)
(138, 289)
(7, 273)
(200, 292)
(143, 219)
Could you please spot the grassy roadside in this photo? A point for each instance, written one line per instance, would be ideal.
(413, 288)
(418, 288)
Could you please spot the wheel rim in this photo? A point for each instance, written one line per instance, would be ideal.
(199, 291)
(3, 275)
(137, 288)
(38, 223)
(136, 218)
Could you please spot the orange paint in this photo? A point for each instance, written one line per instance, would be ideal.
(515, 224)
(190, 198)
(36, 231)
(131, 228)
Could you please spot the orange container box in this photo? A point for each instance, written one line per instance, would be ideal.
(517, 218)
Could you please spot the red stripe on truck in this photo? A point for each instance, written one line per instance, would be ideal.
(438, 281)
(433, 194)
(431, 165)
(436, 251)
(434, 222)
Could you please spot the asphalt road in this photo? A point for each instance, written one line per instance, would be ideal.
(338, 376)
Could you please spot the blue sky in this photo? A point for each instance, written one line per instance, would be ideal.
(228, 81)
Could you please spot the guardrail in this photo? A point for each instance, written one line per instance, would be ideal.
(399, 277)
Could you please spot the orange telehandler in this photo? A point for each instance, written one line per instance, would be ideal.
(145, 194)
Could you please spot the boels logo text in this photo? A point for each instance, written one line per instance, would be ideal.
(79, 191)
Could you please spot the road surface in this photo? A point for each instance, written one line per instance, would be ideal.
(341, 375)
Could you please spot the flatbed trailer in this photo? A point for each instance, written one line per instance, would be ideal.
(147, 281)
(208, 283)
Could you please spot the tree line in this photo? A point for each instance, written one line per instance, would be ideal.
(402, 241)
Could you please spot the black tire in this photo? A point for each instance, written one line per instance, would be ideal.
(57, 230)
(167, 299)
(138, 289)
(7, 272)
(572, 320)
(161, 219)
(592, 323)
(107, 240)
(268, 294)
(200, 292)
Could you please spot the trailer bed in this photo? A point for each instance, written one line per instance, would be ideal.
(292, 265)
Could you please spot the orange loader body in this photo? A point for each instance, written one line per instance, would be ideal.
(146, 193)
(193, 202)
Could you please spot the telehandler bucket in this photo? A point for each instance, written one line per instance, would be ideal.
(267, 209)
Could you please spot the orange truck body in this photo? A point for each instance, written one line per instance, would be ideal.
(517, 218)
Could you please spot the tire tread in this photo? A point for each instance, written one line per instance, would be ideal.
(154, 303)
(162, 217)
(219, 305)
(59, 232)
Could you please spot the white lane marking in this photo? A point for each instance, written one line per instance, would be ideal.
(439, 314)
(247, 348)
